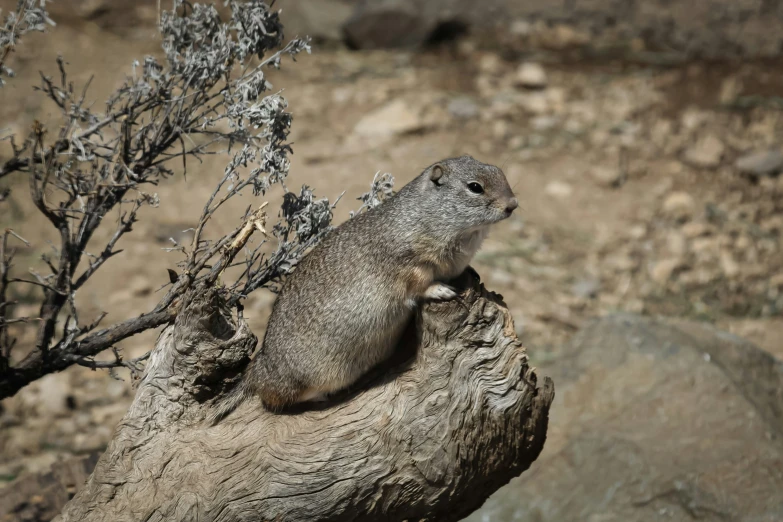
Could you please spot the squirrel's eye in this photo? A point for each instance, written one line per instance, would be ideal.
(476, 188)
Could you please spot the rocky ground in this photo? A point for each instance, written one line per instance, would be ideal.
(643, 188)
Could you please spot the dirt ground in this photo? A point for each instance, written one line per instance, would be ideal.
(631, 195)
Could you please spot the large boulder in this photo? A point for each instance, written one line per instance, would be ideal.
(709, 28)
(321, 20)
(655, 420)
(387, 24)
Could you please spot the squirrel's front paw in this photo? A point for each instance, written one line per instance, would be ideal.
(439, 292)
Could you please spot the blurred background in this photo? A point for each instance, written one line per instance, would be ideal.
(643, 141)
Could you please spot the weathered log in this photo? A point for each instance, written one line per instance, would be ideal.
(452, 419)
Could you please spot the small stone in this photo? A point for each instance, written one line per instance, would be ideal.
(661, 132)
(693, 119)
(705, 247)
(663, 270)
(536, 103)
(606, 176)
(530, 75)
(463, 107)
(574, 126)
(743, 242)
(140, 286)
(517, 142)
(730, 89)
(559, 189)
(762, 163)
(397, 117)
(490, 63)
(520, 27)
(693, 230)
(776, 281)
(705, 153)
(637, 45)
(675, 168)
(586, 288)
(54, 391)
(772, 224)
(730, 267)
(637, 231)
(342, 95)
(563, 36)
(557, 97)
(543, 123)
(501, 278)
(676, 244)
(679, 205)
(500, 129)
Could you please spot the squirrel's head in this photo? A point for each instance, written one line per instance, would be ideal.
(471, 193)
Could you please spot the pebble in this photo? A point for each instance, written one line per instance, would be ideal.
(54, 389)
(463, 107)
(663, 270)
(490, 63)
(676, 243)
(705, 153)
(606, 176)
(637, 231)
(730, 89)
(730, 267)
(679, 205)
(500, 129)
(394, 118)
(693, 230)
(776, 281)
(530, 75)
(586, 288)
(559, 189)
(761, 163)
(140, 286)
(543, 123)
(535, 103)
(693, 118)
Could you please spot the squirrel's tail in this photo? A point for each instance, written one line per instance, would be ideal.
(229, 402)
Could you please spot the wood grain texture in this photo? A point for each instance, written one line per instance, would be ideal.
(455, 416)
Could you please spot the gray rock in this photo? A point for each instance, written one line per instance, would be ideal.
(559, 189)
(679, 205)
(586, 288)
(387, 24)
(321, 20)
(761, 163)
(606, 176)
(396, 117)
(463, 107)
(705, 153)
(655, 420)
(530, 76)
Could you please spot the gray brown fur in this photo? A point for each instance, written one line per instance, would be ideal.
(343, 309)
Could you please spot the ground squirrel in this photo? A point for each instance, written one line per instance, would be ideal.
(345, 306)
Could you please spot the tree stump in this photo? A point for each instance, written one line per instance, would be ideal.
(429, 436)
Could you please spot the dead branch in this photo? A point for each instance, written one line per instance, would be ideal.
(430, 437)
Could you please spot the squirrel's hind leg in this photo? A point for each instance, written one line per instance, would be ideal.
(313, 395)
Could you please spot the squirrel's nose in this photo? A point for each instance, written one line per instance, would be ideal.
(511, 205)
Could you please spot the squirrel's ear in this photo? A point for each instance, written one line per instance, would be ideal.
(436, 172)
